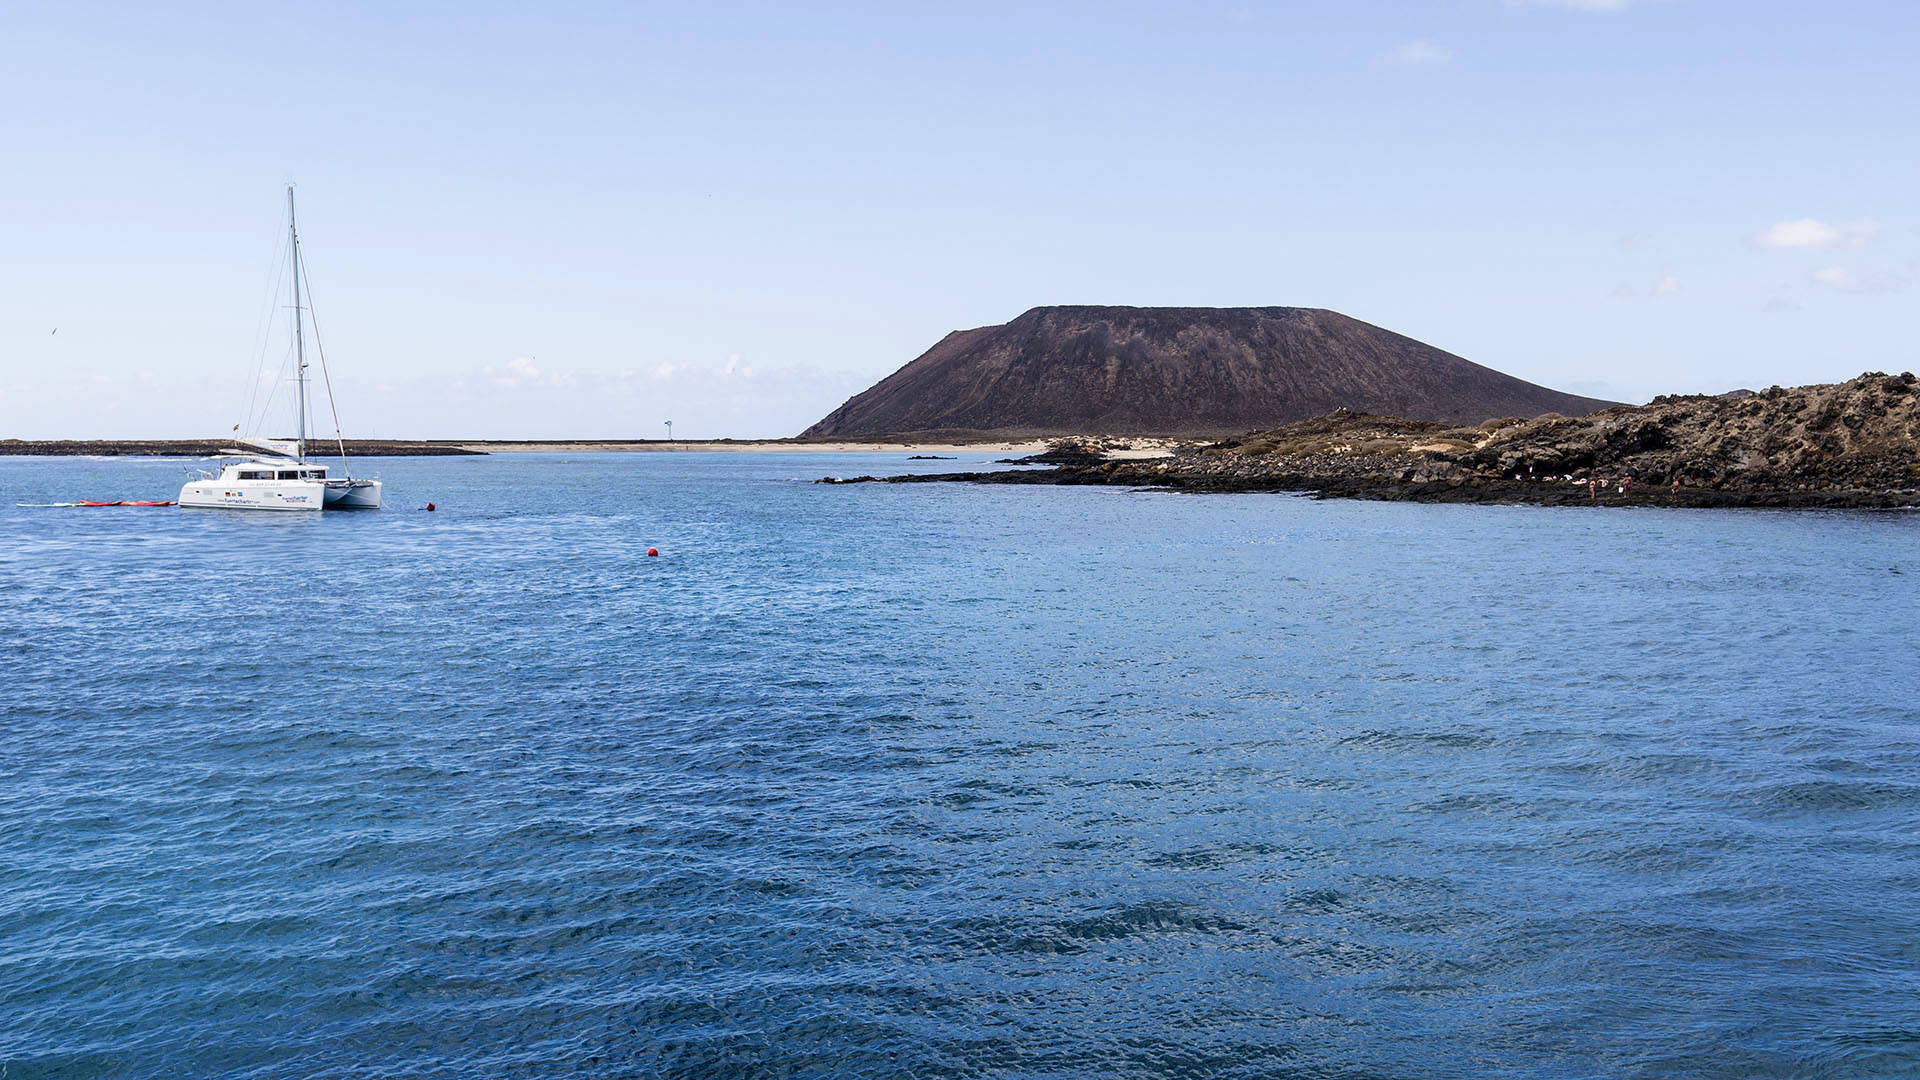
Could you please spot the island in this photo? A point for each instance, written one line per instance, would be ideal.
(1844, 445)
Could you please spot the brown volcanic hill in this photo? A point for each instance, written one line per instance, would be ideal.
(1178, 371)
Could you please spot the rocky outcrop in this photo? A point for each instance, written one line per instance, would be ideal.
(1180, 372)
(1851, 444)
(1856, 434)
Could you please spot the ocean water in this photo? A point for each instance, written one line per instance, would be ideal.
(947, 781)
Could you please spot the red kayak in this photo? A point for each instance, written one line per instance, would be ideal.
(122, 502)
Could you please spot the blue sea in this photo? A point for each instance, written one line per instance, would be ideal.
(947, 781)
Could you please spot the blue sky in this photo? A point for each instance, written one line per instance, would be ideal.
(587, 220)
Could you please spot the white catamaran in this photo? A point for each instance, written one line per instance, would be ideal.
(276, 474)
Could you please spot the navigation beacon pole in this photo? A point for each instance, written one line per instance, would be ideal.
(299, 346)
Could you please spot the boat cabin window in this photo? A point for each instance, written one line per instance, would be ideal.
(289, 474)
(314, 474)
(255, 474)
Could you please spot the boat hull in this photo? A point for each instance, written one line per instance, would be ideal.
(353, 495)
(254, 494)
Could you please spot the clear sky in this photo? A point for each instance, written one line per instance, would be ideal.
(586, 220)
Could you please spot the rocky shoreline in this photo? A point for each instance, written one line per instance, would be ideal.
(1842, 446)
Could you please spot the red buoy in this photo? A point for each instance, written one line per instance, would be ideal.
(653, 551)
(429, 506)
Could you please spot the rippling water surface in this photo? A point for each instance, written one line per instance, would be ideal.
(947, 781)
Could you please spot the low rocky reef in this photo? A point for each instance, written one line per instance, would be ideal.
(1845, 445)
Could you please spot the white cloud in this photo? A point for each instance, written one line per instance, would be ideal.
(522, 373)
(1666, 286)
(519, 370)
(1421, 51)
(1781, 303)
(1861, 282)
(1814, 233)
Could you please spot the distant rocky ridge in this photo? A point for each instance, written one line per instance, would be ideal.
(1178, 371)
(1851, 444)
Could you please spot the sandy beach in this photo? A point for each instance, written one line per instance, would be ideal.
(771, 446)
(1126, 450)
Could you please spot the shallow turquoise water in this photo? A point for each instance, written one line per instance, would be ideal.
(947, 781)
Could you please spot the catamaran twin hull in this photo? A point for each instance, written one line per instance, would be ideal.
(278, 495)
(353, 494)
(232, 491)
(282, 478)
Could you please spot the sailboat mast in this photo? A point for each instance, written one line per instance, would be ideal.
(299, 345)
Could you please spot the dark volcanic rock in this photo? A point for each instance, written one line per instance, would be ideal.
(1064, 452)
(1858, 434)
(1178, 371)
(1851, 444)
